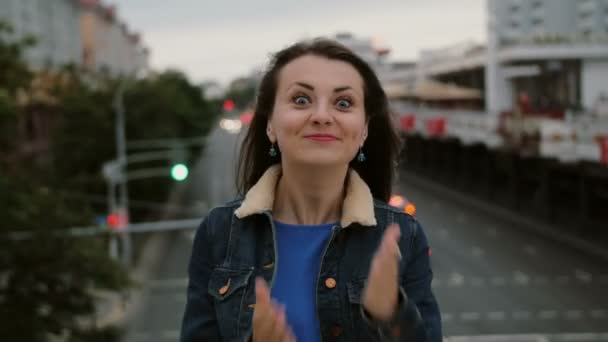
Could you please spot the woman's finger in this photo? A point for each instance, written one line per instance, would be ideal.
(262, 292)
(389, 247)
(282, 331)
(264, 325)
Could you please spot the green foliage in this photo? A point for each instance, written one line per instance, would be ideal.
(45, 278)
(171, 101)
(83, 138)
(161, 106)
(15, 73)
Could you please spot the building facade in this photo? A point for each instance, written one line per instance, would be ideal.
(107, 44)
(55, 26)
(518, 21)
(85, 33)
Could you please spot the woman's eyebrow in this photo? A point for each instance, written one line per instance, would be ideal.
(310, 87)
(303, 85)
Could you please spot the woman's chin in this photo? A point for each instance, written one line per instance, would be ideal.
(320, 161)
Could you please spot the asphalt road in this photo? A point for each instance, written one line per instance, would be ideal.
(494, 281)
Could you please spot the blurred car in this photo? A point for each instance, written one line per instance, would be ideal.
(402, 203)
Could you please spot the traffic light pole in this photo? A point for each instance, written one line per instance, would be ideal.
(115, 176)
(112, 209)
(121, 152)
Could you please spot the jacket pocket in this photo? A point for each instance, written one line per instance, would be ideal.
(230, 289)
(355, 290)
(358, 325)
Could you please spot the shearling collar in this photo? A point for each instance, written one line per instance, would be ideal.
(358, 205)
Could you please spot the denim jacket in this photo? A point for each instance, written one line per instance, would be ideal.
(236, 243)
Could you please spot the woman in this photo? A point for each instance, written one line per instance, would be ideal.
(313, 252)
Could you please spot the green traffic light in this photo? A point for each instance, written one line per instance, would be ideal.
(179, 172)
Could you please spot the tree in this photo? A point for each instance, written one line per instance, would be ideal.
(46, 278)
(162, 106)
(15, 75)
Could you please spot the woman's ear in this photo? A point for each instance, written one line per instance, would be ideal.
(270, 133)
(364, 134)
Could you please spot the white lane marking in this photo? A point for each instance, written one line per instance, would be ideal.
(517, 278)
(470, 316)
(456, 280)
(140, 336)
(446, 317)
(477, 252)
(520, 278)
(544, 315)
(531, 250)
(496, 316)
(547, 314)
(583, 276)
(561, 337)
(170, 334)
(574, 314)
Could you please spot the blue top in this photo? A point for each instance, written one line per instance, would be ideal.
(300, 248)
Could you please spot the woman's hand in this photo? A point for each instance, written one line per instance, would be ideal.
(269, 320)
(380, 296)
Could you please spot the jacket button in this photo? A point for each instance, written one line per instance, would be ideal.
(396, 331)
(336, 331)
(330, 283)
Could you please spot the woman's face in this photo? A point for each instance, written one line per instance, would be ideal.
(319, 113)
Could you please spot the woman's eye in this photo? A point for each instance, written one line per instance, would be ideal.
(344, 103)
(301, 100)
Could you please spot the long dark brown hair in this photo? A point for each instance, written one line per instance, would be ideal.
(381, 147)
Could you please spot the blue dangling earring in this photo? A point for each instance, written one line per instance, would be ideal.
(361, 156)
(273, 151)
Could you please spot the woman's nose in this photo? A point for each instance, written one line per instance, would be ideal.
(322, 114)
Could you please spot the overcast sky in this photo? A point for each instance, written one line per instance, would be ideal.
(224, 39)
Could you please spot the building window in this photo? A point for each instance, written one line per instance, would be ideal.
(515, 5)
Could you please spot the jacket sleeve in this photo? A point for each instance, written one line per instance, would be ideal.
(417, 317)
(199, 322)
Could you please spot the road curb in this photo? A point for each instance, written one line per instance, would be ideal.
(525, 222)
(124, 306)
